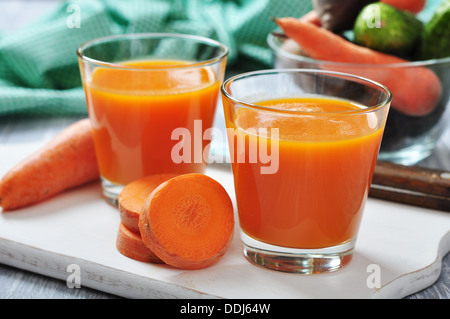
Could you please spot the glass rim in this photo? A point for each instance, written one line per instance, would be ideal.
(277, 49)
(343, 75)
(149, 35)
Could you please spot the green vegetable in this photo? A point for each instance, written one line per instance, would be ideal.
(383, 28)
(435, 42)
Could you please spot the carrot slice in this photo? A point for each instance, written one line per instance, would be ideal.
(131, 245)
(188, 221)
(66, 161)
(133, 196)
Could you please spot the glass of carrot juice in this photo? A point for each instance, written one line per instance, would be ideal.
(303, 146)
(139, 89)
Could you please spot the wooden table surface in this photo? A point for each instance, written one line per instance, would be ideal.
(19, 284)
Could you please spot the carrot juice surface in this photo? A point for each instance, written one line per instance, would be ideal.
(316, 197)
(134, 111)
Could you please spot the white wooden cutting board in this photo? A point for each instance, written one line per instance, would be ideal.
(400, 245)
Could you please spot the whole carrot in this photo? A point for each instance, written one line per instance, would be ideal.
(416, 90)
(66, 161)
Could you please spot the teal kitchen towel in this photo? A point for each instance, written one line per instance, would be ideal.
(39, 72)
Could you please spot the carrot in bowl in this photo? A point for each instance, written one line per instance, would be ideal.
(130, 244)
(66, 161)
(133, 196)
(415, 90)
(188, 221)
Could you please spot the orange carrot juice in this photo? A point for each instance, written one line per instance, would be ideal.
(316, 197)
(134, 111)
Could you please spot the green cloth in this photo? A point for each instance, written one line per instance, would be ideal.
(39, 72)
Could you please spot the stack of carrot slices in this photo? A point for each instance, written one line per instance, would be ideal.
(131, 199)
(186, 221)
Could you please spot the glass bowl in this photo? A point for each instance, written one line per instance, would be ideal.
(408, 138)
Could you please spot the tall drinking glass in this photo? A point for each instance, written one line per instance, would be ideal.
(140, 89)
(303, 146)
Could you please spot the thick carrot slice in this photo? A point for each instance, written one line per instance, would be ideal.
(311, 17)
(416, 90)
(66, 161)
(188, 221)
(130, 245)
(133, 196)
(322, 44)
